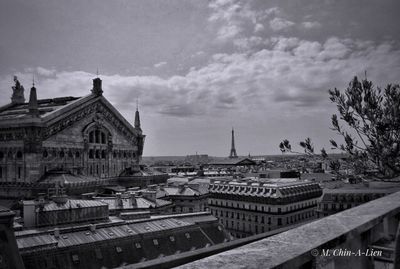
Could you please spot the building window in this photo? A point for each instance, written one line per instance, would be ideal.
(75, 258)
(97, 154)
(45, 154)
(103, 154)
(91, 154)
(155, 242)
(187, 235)
(97, 136)
(62, 154)
(103, 138)
(1, 172)
(99, 255)
(279, 221)
(19, 155)
(137, 245)
(172, 239)
(91, 137)
(19, 172)
(77, 154)
(118, 249)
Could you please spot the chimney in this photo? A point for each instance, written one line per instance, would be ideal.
(33, 104)
(92, 228)
(150, 195)
(18, 92)
(133, 200)
(56, 233)
(97, 89)
(29, 214)
(118, 201)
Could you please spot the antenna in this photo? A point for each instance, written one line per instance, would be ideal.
(97, 72)
(365, 73)
(137, 103)
(33, 80)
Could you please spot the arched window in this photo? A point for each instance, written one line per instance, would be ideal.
(70, 155)
(97, 136)
(77, 154)
(1, 155)
(103, 138)
(124, 154)
(9, 155)
(62, 154)
(91, 156)
(114, 154)
(103, 154)
(91, 137)
(45, 154)
(97, 154)
(19, 155)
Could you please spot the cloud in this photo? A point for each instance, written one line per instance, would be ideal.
(45, 72)
(292, 72)
(160, 64)
(280, 24)
(311, 25)
(233, 18)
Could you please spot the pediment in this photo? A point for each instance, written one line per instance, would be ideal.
(98, 110)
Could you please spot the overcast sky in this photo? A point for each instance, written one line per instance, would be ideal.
(201, 67)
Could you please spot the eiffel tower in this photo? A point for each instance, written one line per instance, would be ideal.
(233, 150)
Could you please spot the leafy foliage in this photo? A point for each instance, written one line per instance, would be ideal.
(371, 132)
(373, 117)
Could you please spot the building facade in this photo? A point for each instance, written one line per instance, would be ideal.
(251, 208)
(337, 200)
(81, 135)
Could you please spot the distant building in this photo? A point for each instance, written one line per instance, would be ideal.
(110, 245)
(276, 174)
(185, 197)
(232, 163)
(336, 200)
(63, 211)
(197, 159)
(252, 208)
(9, 254)
(136, 202)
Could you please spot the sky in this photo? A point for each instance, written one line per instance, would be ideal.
(200, 68)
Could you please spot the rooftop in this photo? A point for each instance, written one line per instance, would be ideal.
(46, 106)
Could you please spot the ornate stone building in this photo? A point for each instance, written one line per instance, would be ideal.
(83, 136)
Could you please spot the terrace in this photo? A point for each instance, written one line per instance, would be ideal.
(371, 226)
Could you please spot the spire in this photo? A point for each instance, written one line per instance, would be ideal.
(233, 150)
(33, 103)
(137, 116)
(18, 92)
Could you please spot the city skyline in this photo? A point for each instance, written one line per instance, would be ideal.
(199, 68)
